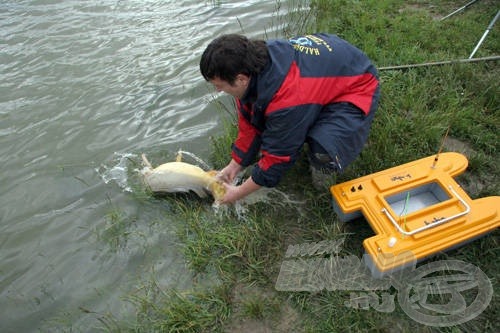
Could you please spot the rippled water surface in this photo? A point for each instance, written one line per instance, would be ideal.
(86, 86)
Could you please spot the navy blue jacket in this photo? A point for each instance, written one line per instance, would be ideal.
(281, 104)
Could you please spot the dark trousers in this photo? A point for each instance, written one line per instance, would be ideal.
(338, 136)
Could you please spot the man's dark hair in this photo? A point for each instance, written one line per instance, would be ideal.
(229, 55)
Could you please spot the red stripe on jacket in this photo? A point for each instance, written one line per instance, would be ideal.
(356, 89)
(268, 160)
(246, 133)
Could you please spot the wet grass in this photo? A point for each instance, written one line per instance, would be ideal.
(236, 262)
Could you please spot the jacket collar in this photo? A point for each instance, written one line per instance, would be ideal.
(251, 92)
(262, 87)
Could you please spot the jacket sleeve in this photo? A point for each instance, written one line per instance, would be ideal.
(282, 139)
(248, 141)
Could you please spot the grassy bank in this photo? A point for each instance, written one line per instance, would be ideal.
(242, 257)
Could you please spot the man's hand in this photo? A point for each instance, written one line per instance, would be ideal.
(230, 172)
(234, 193)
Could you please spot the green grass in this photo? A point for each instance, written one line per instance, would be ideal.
(173, 311)
(116, 229)
(242, 257)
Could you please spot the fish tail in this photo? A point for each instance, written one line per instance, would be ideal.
(146, 162)
(178, 158)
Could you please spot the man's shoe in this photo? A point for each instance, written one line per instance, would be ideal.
(322, 179)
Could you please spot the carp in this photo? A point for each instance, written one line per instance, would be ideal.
(180, 176)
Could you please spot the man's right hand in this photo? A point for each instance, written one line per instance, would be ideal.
(229, 173)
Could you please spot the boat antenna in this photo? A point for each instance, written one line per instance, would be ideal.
(440, 148)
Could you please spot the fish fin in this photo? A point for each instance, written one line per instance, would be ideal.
(200, 192)
(217, 189)
(146, 162)
(178, 158)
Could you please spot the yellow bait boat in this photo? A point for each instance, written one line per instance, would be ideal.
(416, 210)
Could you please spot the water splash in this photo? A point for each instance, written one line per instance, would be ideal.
(277, 198)
(118, 172)
(201, 163)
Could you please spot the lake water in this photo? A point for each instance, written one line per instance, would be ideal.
(86, 87)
